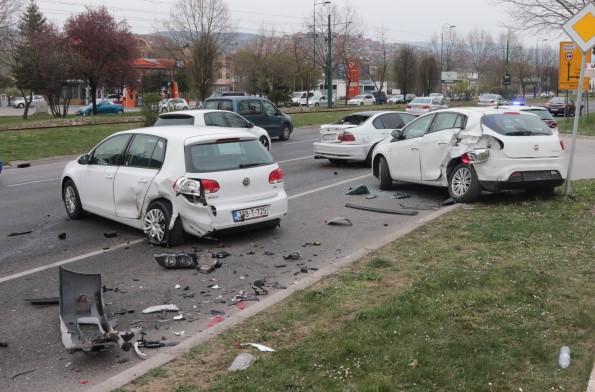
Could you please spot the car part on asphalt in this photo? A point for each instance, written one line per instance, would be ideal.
(110, 234)
(221, 254)
(401, 195)
(258, 287)
(241, 362)
(358, 190)
(448, 202)
(314, 243)
(83, 320)
(179, 317)
(161, 308)
(62, 236)
(177, 260)
(293, 256)
(371, 197)
(3, 344)
(383, 210)
(259, 347)
(43, 301)
(19, 233)
(23, 165)
(339, 221)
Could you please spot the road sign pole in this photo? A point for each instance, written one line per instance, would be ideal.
(579, 101)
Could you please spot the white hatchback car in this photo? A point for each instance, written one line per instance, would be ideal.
(354, 136)
(360, 100)
(214, 118)
(171, 180)
(472, 149)
(170, 104)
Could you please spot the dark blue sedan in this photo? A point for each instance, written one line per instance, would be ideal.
(103, 107)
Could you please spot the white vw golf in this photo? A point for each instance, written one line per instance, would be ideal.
(473, 149)
(171, 180)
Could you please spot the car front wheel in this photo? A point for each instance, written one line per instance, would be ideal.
(72, 200)
(386, 181)
(285, 133)
(156, 225)
(463, 185)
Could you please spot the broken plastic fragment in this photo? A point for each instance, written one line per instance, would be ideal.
(110, 234)
(259, 347)
(339, 221)
(383, 210)
(208, 266)
(448, 202)
(241, 362)
(293, 256)
(177, 260)
(371, 197)
(221, 254)
(401, 195)
(62, 236)
(161, 308)
(215, 320)
(43, 301)
(20, 233)
(358, 190)
(137, 351)
(179, 333)
(179, 317)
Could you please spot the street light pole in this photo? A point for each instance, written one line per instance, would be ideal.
(449, 26)
(329, 80)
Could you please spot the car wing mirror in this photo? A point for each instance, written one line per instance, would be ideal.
(397, 134)
(84, 160)
(249, 124)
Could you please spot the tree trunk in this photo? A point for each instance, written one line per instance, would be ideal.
(27, 104)
(93, 87)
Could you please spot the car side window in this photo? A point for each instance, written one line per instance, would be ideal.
(158, 154)
(215, 119)
(389, 121)
(378, 123)
(418, 127)
(407, 118)
(269, 109)
(141, 151)
(109, 152)
(460, 122)
(250, 106)
(233, 120)
(444, 121)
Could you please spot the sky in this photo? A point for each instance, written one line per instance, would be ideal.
(404, 20)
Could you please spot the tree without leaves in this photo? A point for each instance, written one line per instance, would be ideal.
(202, 28)
(480, 47)
(429, 73)
(405, 68)
(104, 47)
(7, 10)
(542, 15)
(377, 70)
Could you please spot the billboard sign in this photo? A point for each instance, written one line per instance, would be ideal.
(571, 58)
(449, 77)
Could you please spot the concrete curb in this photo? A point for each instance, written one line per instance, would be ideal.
(591, 385)
(172, 353)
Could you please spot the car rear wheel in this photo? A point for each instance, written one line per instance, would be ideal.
(285, 133)
(72, 200)
(386, 181)
(156, 223)
(265, 142)
(463, 184)
(21, 105)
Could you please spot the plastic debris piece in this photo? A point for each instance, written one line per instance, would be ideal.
(215, 287)
(413, 364)
(358, 190)
(44, 301)
(20, 233)
(370, 197)
(62, 236)
(313, 243)
(241, 305)
(293, 256)
(215, 312)
(179, 317)
(269, 253)
(179, 333)
(22, 373)
(137, 351)
(23, 165)
(110, 234)
(177, 260)
(401, 195)
(564, 358)
(383, 210)
(221, 254)
(339, 221)
(259, 347)
(3, 344)
(161, 308)
(448, 202)
(241, 362)
(177, 287)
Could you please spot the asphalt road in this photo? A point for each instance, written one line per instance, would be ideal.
(30, 201)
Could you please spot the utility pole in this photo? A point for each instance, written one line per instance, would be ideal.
(505, 79)
(329, 76)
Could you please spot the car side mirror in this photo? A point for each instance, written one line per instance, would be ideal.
(249, 124)
(397, 134)
(84, 160)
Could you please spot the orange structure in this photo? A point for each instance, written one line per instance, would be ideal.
(144, 64)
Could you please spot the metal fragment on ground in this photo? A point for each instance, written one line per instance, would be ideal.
(15, 234)
(110, 234)
(43, 301)
(339, 221)
(161, 308)
(383, 210)
(259, 347)
(221, 254)
(400, 195)
(242, 362)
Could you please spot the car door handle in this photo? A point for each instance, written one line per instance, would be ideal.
(109, 176)
(143, 180)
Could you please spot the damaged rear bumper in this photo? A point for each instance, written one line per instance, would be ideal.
(350, 152)
(525, 180)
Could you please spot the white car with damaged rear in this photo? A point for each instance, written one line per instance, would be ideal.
(169, 181)
(214, 118)
(354, 136)
(470, 150)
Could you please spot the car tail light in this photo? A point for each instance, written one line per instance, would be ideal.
(426, 107)
(408, 106)
(276, 176)
(465, 158)
(562, 145)
(346, 137)
(210, 186)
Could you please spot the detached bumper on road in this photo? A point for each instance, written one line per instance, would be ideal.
(349, 152)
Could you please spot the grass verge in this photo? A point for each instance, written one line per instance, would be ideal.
(586, 125)
(479, 300)
(37, 144)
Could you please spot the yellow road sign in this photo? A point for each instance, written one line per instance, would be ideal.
(571, 58)
(581, 27)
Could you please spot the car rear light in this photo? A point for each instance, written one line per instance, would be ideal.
(465, 158)
(425, 106)
(346, 137)
(562, 145)
(276, 176)
(187, 186)
(210, 186)
(408, 106)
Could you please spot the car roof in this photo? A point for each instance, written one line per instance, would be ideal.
(371, 113)
(233, 98)
(190, 133)
(193, 112)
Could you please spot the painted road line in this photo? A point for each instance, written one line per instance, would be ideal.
(296, 159)
(32, 182)
(322, 188)
(69, 261)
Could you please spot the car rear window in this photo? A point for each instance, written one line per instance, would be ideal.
(515, 124)
(354, 119)
(226, 155)
(422, 100)
(219, 104)
(174, 119)
(541, 113)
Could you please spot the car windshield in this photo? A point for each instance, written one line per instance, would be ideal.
(541, 113)
(174, 119)
(220, 104)
(353, 119)
(422, 100)
(515, 124)
(488, 96)
(226, 155)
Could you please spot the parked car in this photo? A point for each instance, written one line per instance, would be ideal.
(354, 136)
(470, 150)
(103, 107)
(19, 102)
(410, 97)
(539, 111)
(423, 105)
(214, 118)
(380, 97)
(114, 98)
(170, 180)
(561, 106)
(363, 99)
(309, 98)
(171, 104)
(437, 95)
(260, 111)
(392, 99)
(490, 100)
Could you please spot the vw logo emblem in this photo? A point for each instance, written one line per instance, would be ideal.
(536, 147)
(246, 181)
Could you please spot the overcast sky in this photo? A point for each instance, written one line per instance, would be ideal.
(404, 20)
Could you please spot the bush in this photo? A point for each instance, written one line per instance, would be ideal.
(150, 109)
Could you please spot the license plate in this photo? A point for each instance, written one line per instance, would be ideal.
(329, 137)
(250, 213)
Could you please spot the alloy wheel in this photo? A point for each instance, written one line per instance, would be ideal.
(461, 181)
(154, 225)
(70, 199)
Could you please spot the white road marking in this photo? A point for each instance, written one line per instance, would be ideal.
(322, 188)
(301, 141)
(296, 159)
(32, 182)
(69, 261)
